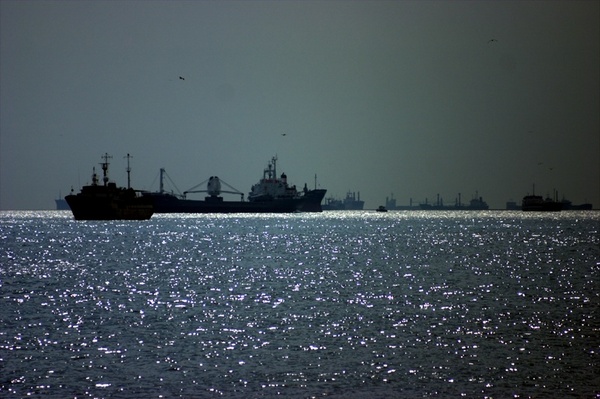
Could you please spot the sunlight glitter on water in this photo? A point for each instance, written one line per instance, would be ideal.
(352, 304)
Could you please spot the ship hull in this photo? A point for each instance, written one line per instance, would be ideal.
(311, 201)
(109, 206)
(554, 207)
(167, 203)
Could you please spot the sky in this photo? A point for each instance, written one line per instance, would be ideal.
(404, 98)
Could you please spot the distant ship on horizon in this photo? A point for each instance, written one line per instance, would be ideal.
(537, 203)
(568, 206)
(390, 204)
(475, 204)
(352, 202)
(61, 203)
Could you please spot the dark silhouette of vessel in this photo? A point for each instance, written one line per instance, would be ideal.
(352, 202)
(476, 204)
(61, 204)
(569, 206)
(537, 203)
(106, 201)
(271, 194)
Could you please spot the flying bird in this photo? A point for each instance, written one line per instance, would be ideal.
(283, 134)
(182, 78)
(492, 40)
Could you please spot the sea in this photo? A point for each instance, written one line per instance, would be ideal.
(342, 304)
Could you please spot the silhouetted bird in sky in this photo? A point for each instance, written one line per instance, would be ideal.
(492, 40)
(182, 78)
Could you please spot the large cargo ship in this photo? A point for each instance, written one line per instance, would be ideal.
(106, 201)
(271, 194)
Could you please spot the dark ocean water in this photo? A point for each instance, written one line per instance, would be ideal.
(339, 304)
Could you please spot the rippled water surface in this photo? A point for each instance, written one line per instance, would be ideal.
(340, 304)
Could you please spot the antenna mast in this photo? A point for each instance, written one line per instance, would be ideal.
(128, 171)
(105, 168)
(162, 172)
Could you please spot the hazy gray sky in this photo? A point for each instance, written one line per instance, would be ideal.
(402, 97)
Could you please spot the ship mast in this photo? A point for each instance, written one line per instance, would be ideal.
(128, 171)
(270, 173)
(105, 168)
